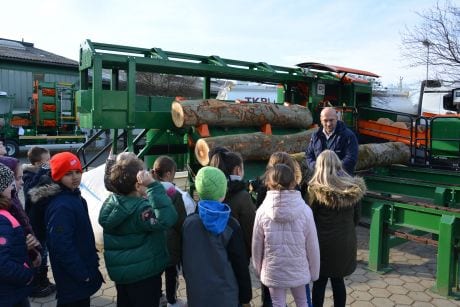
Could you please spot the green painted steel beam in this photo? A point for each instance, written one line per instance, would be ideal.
(412, 205)
(193, 65)
(419, 173)
(447, 258)
(378, 241)
(439, 194)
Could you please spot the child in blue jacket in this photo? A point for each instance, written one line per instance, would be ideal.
(69, 235)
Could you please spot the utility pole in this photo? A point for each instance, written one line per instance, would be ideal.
(427, 44)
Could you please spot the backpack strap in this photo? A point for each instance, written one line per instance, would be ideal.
(14, 222)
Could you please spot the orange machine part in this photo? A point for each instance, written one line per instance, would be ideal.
(203, 130)
(49, 123)
(391, 133)
(266, 128)
(48, 92)
(18, 121)
(49, 107)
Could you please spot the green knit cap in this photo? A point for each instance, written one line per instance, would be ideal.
(210, 183)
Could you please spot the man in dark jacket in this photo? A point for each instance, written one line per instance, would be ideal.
(333, 135)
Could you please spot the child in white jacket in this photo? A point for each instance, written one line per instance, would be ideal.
(285, 249)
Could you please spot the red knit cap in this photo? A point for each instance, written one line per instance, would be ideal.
(62, 163)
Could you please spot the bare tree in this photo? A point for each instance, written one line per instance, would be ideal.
(435, 42)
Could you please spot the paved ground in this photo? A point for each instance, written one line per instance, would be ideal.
(408, 284)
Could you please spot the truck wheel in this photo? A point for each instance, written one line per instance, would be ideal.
(12, 148)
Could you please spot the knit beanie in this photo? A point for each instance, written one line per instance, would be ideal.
(6, 177)
(210, 183)
(62, 163)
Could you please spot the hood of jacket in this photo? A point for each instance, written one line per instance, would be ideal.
(214, 215)
(41, 192)
(10, 162)
(336, 198)
(281, 205)
(234, 186)
(116, 209)
(30, 168)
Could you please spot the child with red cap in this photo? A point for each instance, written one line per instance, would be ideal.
(69, 235)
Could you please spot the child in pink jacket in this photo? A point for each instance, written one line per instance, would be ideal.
(285, 249)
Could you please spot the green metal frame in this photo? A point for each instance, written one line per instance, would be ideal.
(128, 110)
(420, 173)
(439, 194)
(443, 222)
(444, 145)
(103, 104)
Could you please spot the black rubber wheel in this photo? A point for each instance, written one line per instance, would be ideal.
(12, 148)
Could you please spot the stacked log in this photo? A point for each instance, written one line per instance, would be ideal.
(371, 155)
(382, 154)
(254, 146)
(259, 146)
(215, 112)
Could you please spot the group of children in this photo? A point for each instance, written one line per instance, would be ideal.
(151, 226)
(55, 220)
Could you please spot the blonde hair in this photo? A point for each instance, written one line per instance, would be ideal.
(329, 172)
(284, 158)
(279, 177)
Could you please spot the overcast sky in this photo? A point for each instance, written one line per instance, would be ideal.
(362, 34)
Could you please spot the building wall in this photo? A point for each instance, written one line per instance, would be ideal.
(19, 81)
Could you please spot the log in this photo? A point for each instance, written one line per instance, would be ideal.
(254, 146)
(371, 155)
(215, 112)
(382, 154)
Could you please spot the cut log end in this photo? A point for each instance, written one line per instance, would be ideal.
(177, 113)
(202, 152)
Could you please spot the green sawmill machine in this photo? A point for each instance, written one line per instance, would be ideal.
(426, 182)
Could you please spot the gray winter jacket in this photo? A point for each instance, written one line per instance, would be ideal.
(214, 259)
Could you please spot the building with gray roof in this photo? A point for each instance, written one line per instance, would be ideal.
(21, 63)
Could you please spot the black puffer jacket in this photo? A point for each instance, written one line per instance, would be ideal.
(39, 194)
(243, 209)
(336, 215)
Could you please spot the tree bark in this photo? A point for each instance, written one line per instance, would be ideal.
(229, 114)
(381, 154)
(254, 146)
(371, 155)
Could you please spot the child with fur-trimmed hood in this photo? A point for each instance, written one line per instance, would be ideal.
(69, 234)
(335, 197)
